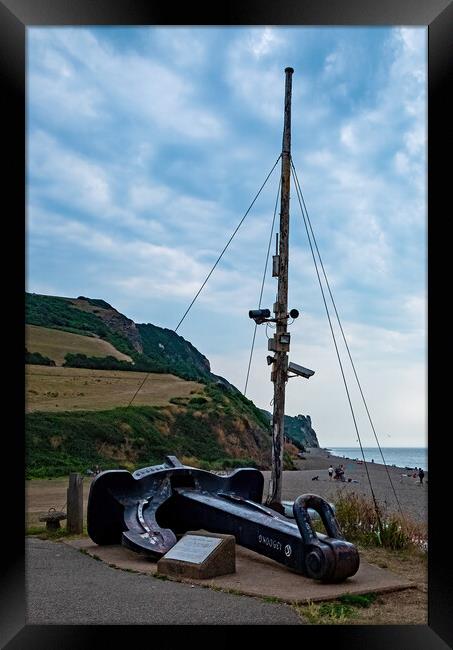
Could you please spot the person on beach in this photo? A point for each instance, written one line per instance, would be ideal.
(330, 472)
(421, 475)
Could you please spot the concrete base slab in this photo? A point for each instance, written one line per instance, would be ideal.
(259, 576)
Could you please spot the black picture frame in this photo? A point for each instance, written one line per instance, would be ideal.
(15, 17)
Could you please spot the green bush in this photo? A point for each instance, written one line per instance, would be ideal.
(35, 358)
(99, 363)
(143, 364)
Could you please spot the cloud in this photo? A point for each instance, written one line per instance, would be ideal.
(263, 42)
(138, 86)
(147, 145)
(64, 175)
(181, 46)
(258, 86)
(141, 268)
(375, 219)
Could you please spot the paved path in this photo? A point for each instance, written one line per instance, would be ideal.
(65, 586)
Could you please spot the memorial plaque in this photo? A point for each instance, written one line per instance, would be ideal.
(200, 555)
(193, 548)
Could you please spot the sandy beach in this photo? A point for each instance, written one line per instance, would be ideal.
(412, 496)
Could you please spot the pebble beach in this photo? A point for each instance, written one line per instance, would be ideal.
(412, 496)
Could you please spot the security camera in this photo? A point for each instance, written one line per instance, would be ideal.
(294, 313)
(259, 313)
(270, 360)
(300, 371)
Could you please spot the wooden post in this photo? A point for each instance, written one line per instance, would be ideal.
(74, 524)
(279, 375)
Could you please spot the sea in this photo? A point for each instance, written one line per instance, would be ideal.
(399, 456)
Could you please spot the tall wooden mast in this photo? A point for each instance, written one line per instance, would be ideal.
(280, 342)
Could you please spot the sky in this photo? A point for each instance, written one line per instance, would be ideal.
(146, 146)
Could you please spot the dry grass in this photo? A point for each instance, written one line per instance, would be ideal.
(55, 344)
(67, 389)
(361, 522)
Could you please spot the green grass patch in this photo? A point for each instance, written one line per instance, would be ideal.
(337, 611)
(53, 535)
(358, 600)
(325, 613)
(272, 599)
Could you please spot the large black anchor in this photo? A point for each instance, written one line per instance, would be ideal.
(147, 509)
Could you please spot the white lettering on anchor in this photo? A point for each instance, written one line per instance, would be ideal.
(268, 541)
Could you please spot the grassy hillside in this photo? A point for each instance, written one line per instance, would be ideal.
(68, 389)
(213, 430)
(62, 314)
(55, 344)
(165, 345)
(151, 348)
(76, 413)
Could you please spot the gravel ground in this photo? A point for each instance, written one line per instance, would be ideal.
(64, 586)
(412, 496)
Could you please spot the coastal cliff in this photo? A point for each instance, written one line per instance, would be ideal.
(299, 430)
